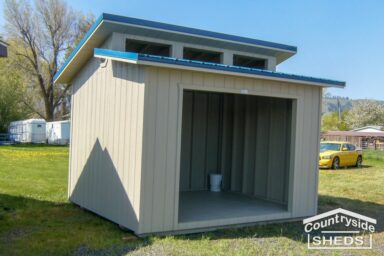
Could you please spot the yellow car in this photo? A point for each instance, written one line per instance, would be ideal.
(336, 154)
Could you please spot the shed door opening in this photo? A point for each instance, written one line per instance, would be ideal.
(147, 47)
(247, 140)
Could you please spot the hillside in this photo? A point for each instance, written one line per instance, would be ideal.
(330, 103)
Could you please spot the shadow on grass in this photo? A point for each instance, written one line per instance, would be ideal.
(59, 228)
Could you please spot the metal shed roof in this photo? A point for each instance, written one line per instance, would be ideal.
(108, 23)
(146, 59)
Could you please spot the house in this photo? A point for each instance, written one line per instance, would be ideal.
(157, 108)
(370, 128)
(363, 139)
(57, 132)
(3, 49)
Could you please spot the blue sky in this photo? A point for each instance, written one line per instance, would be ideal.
(340, 40)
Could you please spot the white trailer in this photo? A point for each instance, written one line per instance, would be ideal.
(28, 131)
(58, 132)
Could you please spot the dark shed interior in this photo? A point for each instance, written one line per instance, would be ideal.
(246, 139)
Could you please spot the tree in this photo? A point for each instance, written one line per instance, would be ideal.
(331, 122)
(12, 96)
(366, 112)
(44, 33)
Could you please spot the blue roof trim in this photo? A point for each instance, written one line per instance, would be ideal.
(116, 54)
(214, 66)
(194, 31)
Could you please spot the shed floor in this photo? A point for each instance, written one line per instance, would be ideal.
(206, 205)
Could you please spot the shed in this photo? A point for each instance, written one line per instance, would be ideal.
(156, 108)
(27, 131)
(3, 49)
(58, 132)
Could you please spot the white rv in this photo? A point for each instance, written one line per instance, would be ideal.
(58, 132)
(28, 131)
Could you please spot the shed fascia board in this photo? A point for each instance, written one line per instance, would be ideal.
(286, 50)
(151, 60)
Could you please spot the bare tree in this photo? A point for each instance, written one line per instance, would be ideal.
(44, 33)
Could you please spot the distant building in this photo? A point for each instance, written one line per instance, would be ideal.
(3, 49)
(363, 139)
(370, 128)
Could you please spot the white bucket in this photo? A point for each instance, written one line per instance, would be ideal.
(215, 182)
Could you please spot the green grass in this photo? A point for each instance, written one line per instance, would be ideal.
(36, 217)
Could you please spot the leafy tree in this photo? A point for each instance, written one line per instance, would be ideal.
(331, 122)
(44, 32)
(12, 96)
(367, 112)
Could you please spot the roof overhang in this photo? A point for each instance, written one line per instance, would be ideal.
(109, 23)
(152, 60)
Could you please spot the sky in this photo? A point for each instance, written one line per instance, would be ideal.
(341, 40)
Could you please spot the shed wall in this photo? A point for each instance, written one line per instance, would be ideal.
(106, 135)
(162, 133)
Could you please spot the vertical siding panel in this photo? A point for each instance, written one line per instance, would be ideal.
(197, 78)
(73, 139)
(314, 149)
(238, 143)
(105, 127)
(199, 131)
(229, 82)
(132, 131)
(226, 141)
(122, 132)
(161, 142)
(171, 166)
(277, 140)
(83, 95)
(98, 131)
(209, 80)
(219, 81)
(149, 161)
(262, 147)
(213, 134)
(318, 122)
(186, 152)
(139, 140)
(119, 139)
(304, 138)
(91, 134)
(249, 145)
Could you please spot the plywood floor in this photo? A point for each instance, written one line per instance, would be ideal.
(206, 205)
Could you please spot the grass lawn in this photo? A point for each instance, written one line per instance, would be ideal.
(37, 219)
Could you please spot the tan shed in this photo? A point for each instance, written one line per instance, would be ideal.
(158, 108)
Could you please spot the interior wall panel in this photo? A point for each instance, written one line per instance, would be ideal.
(251, 134)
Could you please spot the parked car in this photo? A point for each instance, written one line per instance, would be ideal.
(336, 154)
